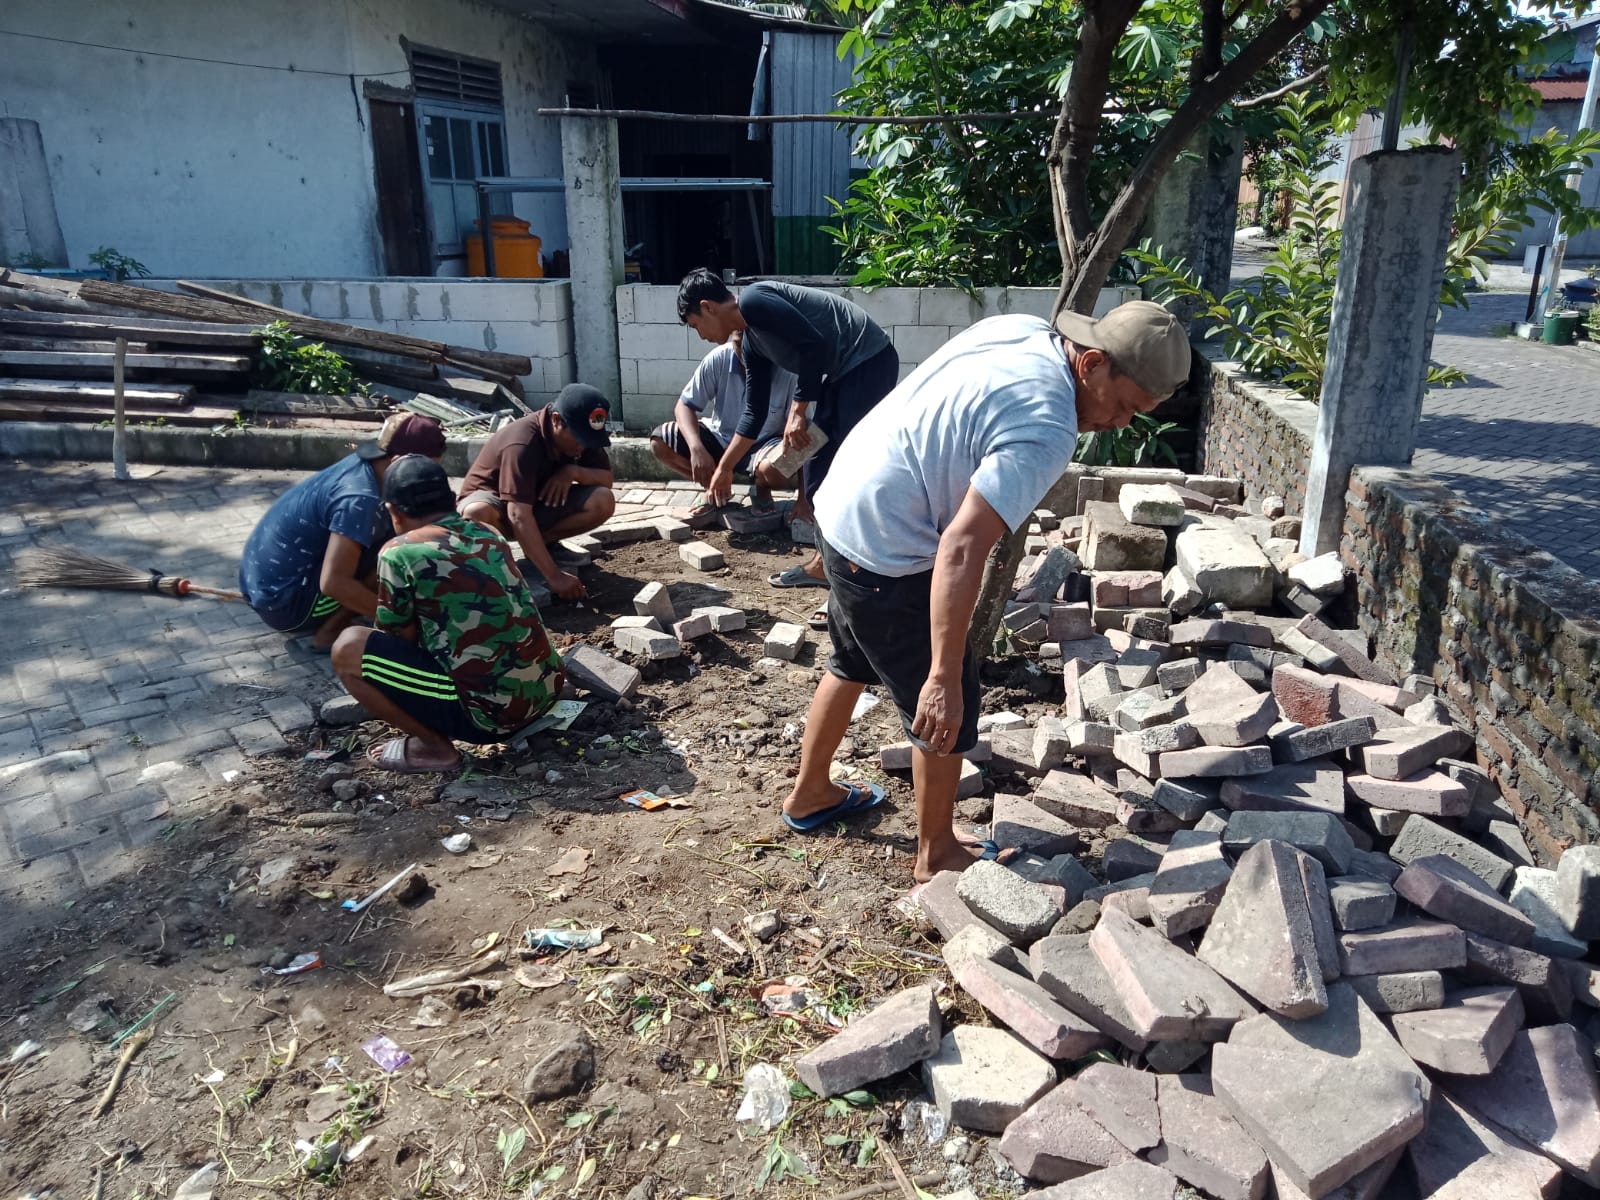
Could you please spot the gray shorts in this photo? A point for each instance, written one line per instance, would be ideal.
(762, 451)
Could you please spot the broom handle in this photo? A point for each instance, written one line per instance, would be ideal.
(215, 593)
(119, 449)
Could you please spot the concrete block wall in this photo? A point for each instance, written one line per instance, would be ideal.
(659, 354)
(1509, 634)
(513, 316)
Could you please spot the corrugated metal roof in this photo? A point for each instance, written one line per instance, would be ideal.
(1560, 89)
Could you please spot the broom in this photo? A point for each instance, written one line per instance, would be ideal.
(75, 569)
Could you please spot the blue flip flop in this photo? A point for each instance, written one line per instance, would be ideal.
(859, 797)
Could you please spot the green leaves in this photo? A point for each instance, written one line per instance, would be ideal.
(779, 1164)
(286, 363)
(1010, 12)
(509, 1142)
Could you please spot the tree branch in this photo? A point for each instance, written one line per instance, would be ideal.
(1078, 291)
(1304, 81)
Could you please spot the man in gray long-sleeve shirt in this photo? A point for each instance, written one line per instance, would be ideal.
(842, 358)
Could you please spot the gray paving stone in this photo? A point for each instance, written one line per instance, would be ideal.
(1003, 899)
(1188, 884)
(1056, 1140)
(1458, 1157)
(984, 1079)
(1029, 1011)
(1076, 799)
(1545, 987)
(899, 1033)
(1403, 946)
(1261, 937)
(1315, 786)
(1203, 1144)
(1027, 826)
(1443, 888)
(1578, 891)
(1127, 1181)
(1400, 991)
(1466, 1035)
(1169, 994)
(1319, 834)
(1360, 903)
(1533, 892)
(1420, 837)
(1067, 968)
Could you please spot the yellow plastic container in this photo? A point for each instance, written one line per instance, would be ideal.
(516, 251)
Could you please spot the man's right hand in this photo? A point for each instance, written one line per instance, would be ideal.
(566, 585)
(720, 486)
(701, 465)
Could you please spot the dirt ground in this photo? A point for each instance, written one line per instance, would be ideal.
(245, 1063)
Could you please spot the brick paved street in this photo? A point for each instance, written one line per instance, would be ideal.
(1521, 438)
(119, 712)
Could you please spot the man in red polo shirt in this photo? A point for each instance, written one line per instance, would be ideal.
(546, 477)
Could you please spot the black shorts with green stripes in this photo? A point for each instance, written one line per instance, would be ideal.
(412, 678)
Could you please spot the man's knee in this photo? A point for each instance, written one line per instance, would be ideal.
(662, 451)
(483, 514)
(601, 504)
(348, 649)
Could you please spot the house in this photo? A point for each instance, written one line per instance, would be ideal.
(341, 138)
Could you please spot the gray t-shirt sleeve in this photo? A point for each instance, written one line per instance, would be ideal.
(1026, 448)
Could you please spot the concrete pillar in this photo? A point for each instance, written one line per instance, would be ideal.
(1385, 303)
(1195, 210)
(595, 244)
(29, 229)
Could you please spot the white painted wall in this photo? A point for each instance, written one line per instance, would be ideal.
(206, 169)
(659, 354)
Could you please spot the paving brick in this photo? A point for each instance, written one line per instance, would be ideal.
(980, 943)
(784, 640)
(701, 556)
(1399, 991)
(1113, 543)
(1202, 1143)
(1578, 891)
(1419, 837)
(653, 600)
(1545, 1091)
(1069, 623)
(1027, 826)
(1076, 799)
(1350, 702)
(1262, 937)
(1403, 753)
(1533, 892)
(1466, 1035)
(1050, 743)
(1360, 903)
(723, 620)
(1215, 762)
(1546, 990)
(692, 628)
(1432, 793)
(1319, 740)
(1289, 787)
(1055, 566)
(1127, 1181)
(1187, 800)
(1089, 737)
(1057, 1140)
(984, 1079)
(647, 644)
(1319, 834)
(259, 738)
(1029, 1011)
(997, 895)
(1227, 565)
(600, 673)
(1067, 968)
(1304, 697)
(901, 1032)
(1354, 660)
(1179, 674)
(1211, 632)
(1127, 857)
(1189, 883)
(945, 910)
(1169, 995)
(1154, 504)
(1444, 888)
(1326, 1097)
(1458, 1157)
(1403, 946)
(1063, 871)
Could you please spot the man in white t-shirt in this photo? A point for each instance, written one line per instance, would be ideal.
(962, 451)
(708, 414)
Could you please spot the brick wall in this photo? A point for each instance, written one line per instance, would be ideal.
(513, 316)
(1257, 432)
(659, 354)
(1510, 635)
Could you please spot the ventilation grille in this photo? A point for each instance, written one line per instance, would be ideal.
(440, 76)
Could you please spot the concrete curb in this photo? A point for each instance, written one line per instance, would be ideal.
(257, 449)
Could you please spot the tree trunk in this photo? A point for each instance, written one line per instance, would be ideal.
(1088, 256)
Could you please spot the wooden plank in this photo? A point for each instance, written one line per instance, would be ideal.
(96, 414)
(11, 277)
(152, 362)
(150, 329)
(349, 408)
(73, 391)
(11, 341)
(236, 309)
(26, 298)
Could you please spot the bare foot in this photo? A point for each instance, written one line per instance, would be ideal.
(955, 857)
(814, 567)
(328, 632)
(800, 807)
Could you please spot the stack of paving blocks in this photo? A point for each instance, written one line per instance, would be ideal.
(1312, 940)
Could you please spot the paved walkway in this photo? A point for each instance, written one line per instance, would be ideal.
(121, 712)
(1521, 438)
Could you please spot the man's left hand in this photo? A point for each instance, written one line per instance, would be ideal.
(556, 489)
(938, 718)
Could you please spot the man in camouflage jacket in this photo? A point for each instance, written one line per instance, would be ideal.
(458, 652)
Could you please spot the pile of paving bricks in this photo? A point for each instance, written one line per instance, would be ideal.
(1317, 947)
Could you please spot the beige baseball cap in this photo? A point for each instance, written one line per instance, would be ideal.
(1144, 340)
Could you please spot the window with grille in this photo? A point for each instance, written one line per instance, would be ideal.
(462, 130)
